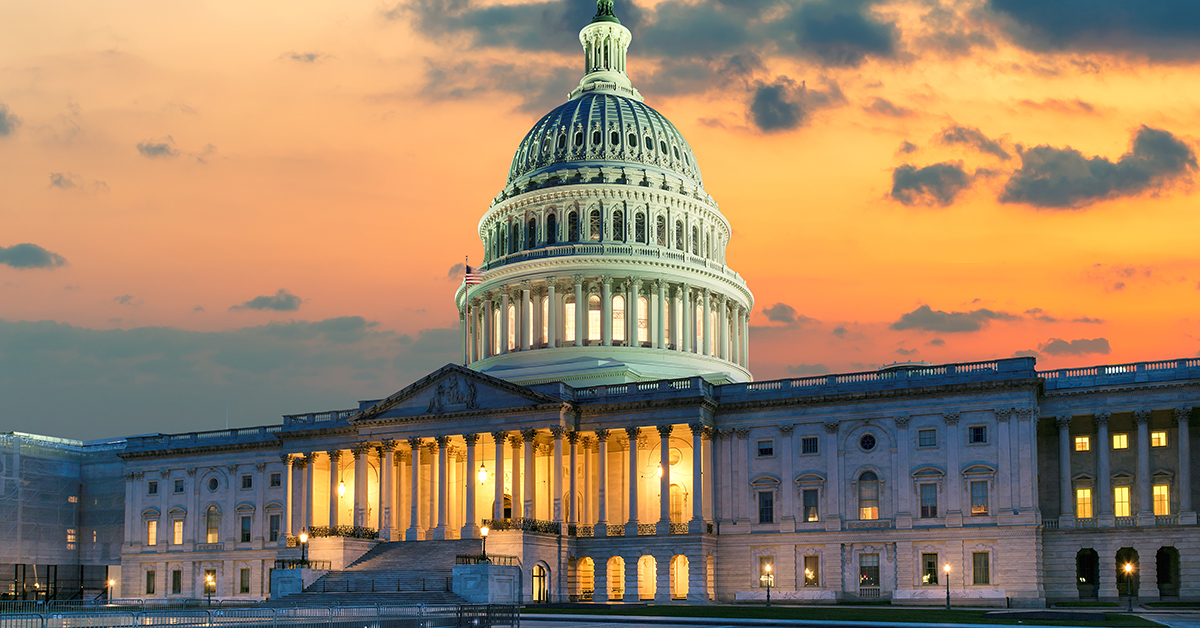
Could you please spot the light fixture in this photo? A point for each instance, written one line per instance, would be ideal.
(484, 531)
(112, 583)
(342, 488)
(303, 537)
(947, 567)
(660, 470)
(482, 474)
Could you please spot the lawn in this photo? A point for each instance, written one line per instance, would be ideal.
(877, 614)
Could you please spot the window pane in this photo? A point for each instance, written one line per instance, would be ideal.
(928, 500)
(1158, 439)
(980, 571)
(618, 227)
(1120, 441)
(618, 315)
(979, 434)
(927, 438)
(152, 532)
(594, 226)
(245, 581)
(766, 507)
(245, 529)
(1083, 443)
(868, 496)
(639, 228)
(177, 532)
(812, 571)
(569, 321)
(1083, 502)
(643, 321)
(929, 569)
(808, 445)
(766, 448)
(177, 582)
(979, 499)
(214, 526)
(593, 332)
(868, 570)
(1162, 499)
(1121, 501)
(149, 583)
(274, 525)
(811, 511)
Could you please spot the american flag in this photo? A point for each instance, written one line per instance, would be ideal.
(474, 276)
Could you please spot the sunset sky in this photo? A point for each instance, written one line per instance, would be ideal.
(265, 203)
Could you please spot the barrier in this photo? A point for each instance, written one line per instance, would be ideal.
(378, 616)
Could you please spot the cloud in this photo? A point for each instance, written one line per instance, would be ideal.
(69, 181)
(1027, 353)
(786, 314)
(973, 137)
(28, 255)
(282, 301)
(926, 319)
(1082, 346)
(1062, 178)
(155, 149)
(933, 185)
(456, 272)
(540, 87)
(782, 105)
(841, 32)
(839, 332)
(306, 57)
(903, 351)
(1116, 277)
(936, 342)
(885, 107)
(198, 308)
(1038, 314)
(127, 299)
(807, 369)
(1076, 106)
(8, 121)
(1164, 29)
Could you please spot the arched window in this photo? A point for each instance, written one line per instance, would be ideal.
(695, 240)
(531, 234)
(512, 327)
(649, 143)
(562, 141)
(660, 231)
(213, 525)
(507, 506)
(679, 234)
(868, 496)
(551, 229)
(569, 319)
(618, 226)
(639, 228)
(496, 331)
(633, 140)
(618, 318)
(579, 138)
(503, 240)
(545, 333)
(515, 242)
(573, 226)
(541, 577)
(643, 322)
(596, 137)
(593, 322)
(594, 223)
(615, 138)
(662, 146)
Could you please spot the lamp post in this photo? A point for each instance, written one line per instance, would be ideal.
(210, 583)
(1129, 575)
(947, 569)
(767, 579)
(304, 548)
(111, 582)
(484, 532)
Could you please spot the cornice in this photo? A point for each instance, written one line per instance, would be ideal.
(1119, 388)
(602, 191)
(924, 391)
(177, 451)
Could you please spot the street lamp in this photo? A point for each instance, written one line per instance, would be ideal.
(210, 583)
(111, 582)
(484, 532)
(1129, 584)
(947, 569)
(767, 579)
(304, 549)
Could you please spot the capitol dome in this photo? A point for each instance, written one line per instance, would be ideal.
(604, 258)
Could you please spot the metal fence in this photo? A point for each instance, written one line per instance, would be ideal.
(379, 616)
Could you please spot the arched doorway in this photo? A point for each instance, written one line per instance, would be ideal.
(647, 577)
(1127, 581)
(616, 578)
(1166, 564)
(507, 513)
(679, 577)
(541, 583)
(585, 579)
(1087, 573)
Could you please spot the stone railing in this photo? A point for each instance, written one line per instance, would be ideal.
(1166, 520)
(1162, 370)
(583, 531)
(1050, 524)
(200, 439)
(1085, 522)
(209, 547)
(693, 385)
(312, 418)
(679, 528)
(616, 530)
(349, 532)
(1126, 522)
(524, 525)
(647, 529)
(875, 524)
(613, 249)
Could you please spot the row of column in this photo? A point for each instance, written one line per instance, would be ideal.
(1103, 496)
(679, 303)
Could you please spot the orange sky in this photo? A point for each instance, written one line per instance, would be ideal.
(309, 149)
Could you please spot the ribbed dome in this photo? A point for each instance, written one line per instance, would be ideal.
(604, 129)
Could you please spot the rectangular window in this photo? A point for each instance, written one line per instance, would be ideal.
(247, 482)
(1158, 439)
(150, 582)
(177, 532)
(868, 570)
(928, 501)
(979, 498)
(926, 438)
(213, 526)
(766, 448)
(1121, 506)
(1120, 441)
(178, 486)
(766, 507)
(812, 571)
(979, 571)
(246, 529)
(276, 480)
(929, 569)
(811, 511)
(152, 488)
(809, 444)
(1083, 502)
(766, 570)
(152, 532)
(977, 434)
(244, 580)
(176, 581)
(274, 525)
(72, 538)
(1162, 499)
(1083, 443)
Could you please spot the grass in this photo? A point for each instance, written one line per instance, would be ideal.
(891, 614)
(1087, 605)
(1173, 604)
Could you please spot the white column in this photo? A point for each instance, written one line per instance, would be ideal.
(299, 475)
(554, 482)
(1066, 503)
(632, 524)
(498, 439)
(529, 494)
(664, 482)
(403, 485)
(470, 529)
(723, 337)
(518, 503)
(696, 525)
(335, 456)
(631, 311)
(706, 324)
(310, 495)
(588, 516)
(601, 528)
(489, 329)
(526, 318)
(580, 311)
(1145, 511)
(359, 454)
(504, 331)
(415, 531)
(1183, 416)
(439, 532)
(572, 470)
(551, 313)
(606, 311)
(387, 468)
(660, 316)
(431, 515)
(453, 491)
(1104, 497)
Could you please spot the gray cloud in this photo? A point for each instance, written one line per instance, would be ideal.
(1038, 314)
(840, 32)
(155, 149)
(127, 299)
(28, 255)
(1027, 353)
(784, 313)
(70, 181)
(1164, 29)
(540, 87)
(903, 351)
(885, 107)
(933, 185)
(782, 105)
(839, 332)
(907, 148)
(306, 57)
(973, 137)
(807, 369)
(1062, 178)
(456, 272)
(8, 121)
(1076, 106)
(1082, 346)
(925, 318)
(936, 342)
(282, 301)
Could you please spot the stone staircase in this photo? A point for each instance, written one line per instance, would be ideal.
(401, 572)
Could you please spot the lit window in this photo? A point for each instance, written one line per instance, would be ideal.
(569, 320)
(765, 564)
(643, 320)
(177, 532)
(926, 438)
(1083, 443)
(811, 511)
(512, 327)
(868, 570)
(929, 568)
(979, 498)
(1083, 503)
(152, 532)
(868, 496)
(929, 501)
(1120, 441)
(72, 499)
(766, 448)
(618, 318)
(593, 319)
(1158, 439)
(978, 434)
(72, 538)
(1121, 506)
(1162, 499)
(812, 571)
(809, 445)
(213, 525)
(274, 528)
(980, 573)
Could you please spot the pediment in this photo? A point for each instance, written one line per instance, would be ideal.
(454, 389)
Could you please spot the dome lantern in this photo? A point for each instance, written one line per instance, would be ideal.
(605, 44)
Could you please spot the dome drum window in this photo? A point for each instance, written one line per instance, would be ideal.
(633, 141)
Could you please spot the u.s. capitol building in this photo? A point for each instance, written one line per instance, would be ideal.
(605, 426)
